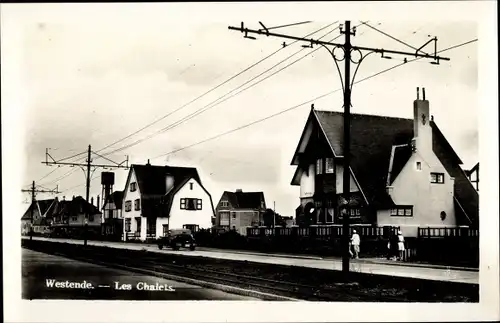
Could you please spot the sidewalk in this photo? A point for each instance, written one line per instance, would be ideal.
(414, 264)
(369, 260)
(358, 265)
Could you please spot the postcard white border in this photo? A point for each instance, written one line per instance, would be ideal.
(13, 154)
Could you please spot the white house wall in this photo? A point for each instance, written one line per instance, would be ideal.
(132, 214)
(202, 218)
(159, 226)
(340, 180)
(307, 182)
(413, 187)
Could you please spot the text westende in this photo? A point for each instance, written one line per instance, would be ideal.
(52, 283)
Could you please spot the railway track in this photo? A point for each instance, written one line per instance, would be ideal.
(155, 265)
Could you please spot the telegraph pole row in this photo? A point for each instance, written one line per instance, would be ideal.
(33, 192)
(86, 167)
(347, 49)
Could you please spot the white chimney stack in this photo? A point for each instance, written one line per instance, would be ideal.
(422, 131)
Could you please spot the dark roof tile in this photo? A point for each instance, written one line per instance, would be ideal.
(245, 200)
(372, 140)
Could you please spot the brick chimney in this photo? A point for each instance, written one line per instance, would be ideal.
(239, 190)
(422, 131)
(98, 200)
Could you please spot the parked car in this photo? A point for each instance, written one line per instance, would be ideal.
(176, 239)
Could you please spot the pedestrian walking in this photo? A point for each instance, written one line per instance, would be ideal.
(401, 245)
(355, 242)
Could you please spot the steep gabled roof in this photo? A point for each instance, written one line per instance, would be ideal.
(45, 207)
(245, 200)
(372, 139)
(117, 198)
(151, 179)
(73, 207)
(155, 199)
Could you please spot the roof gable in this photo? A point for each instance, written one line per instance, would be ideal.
(117, 198)
(43, 207)
(152, 186)
(74, 206)
(152, 179)
(372, 141)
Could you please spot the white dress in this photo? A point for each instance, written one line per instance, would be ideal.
(401, 243)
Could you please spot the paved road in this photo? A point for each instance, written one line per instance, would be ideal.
(331, 264)
(38, 269)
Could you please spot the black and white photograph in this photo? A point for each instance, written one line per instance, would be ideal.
(253, 153)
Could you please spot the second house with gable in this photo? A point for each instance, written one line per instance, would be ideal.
(161, 198)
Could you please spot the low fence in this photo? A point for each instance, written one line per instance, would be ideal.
(447, 246)
(366, 231)
(430, 232)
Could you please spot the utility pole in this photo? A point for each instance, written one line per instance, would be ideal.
(88, 174)
(346, 189)
(33, 192)
(274, 214)
(347, 49)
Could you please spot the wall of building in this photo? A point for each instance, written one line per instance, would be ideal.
(131, 196)
(307, 182)
(159, 226)
(79, 220)
(413, 186)
(110, 209)
(202, 218)
(339, 169)
(243, 219)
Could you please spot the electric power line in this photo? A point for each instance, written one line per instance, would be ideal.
(207, 92)
(190, 102)
(306, 102)
(215, 103)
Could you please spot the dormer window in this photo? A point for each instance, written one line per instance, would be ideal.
(419, 166)
(133, 187)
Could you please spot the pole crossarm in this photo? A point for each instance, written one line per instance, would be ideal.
(84, 165)
(353, 47)
(348, 49)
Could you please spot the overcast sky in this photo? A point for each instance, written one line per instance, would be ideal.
(95, 81)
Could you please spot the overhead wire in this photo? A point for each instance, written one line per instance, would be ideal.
(307, 102)
(215, 103)
(207, 92)
(197, 98)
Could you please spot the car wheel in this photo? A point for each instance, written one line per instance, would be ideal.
(160, 246)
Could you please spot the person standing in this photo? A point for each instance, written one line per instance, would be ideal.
(389, 247)
(401, 245)
(355, 242)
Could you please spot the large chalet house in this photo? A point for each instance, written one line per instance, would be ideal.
(239, 210)
(160, 198)
(403, 173)
(38, 216)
